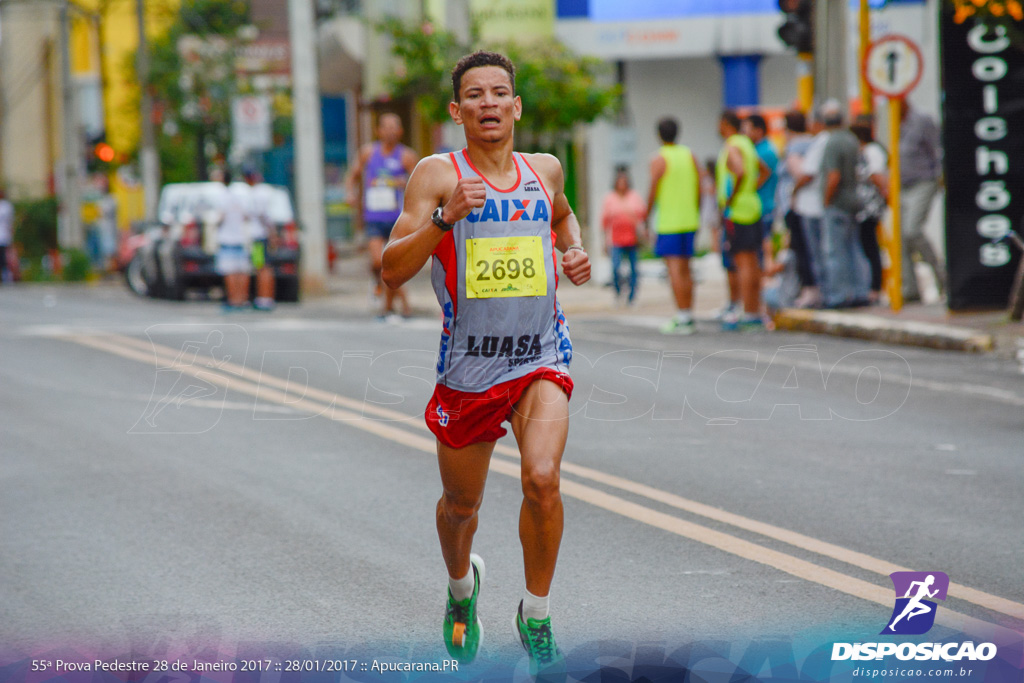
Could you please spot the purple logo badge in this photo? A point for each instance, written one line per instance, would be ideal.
(914, 611)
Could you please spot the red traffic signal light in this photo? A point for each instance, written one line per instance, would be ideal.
(104, 152)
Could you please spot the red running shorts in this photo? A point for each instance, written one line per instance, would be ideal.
(462, 418)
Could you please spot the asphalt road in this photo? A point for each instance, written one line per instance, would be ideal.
(173, 479)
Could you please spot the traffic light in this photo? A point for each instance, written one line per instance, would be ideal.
(99, 154)
(798, 29)
(104, 152)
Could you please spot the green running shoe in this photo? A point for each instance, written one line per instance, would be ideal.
(463, 632)
(674, 326)
(546, 661)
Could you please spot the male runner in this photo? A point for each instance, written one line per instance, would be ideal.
(383, 168)
(491, 219)
(675, 191)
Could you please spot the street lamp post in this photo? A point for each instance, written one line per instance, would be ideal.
(309, 145)
(149, 160)
(70, 228)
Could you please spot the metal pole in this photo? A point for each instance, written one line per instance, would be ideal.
(830, 50)
(3, 103)
(895, 238)
(70, 234)
(309, 144)
(805, 81)
(867, 104)
(149, 158)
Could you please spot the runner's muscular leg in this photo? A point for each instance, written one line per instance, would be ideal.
(540, 423)
(680, 280)
(463, 474)
(375, 246)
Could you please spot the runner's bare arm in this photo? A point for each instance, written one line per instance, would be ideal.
(831, 185)
(355, 173)
(696, 181)
(433, 183)
(763, 173)
(734, 162)
(575, 262)
(657, 171)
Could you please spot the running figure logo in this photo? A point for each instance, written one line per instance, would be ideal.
(914, 611)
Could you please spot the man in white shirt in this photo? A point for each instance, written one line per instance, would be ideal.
(6, 234)
(233, 261)
(809, 204)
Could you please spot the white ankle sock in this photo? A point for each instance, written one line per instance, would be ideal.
(684, 316)
(462, 588)
(535, 607)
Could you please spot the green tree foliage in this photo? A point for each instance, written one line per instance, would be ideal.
(193, 80)
(35, 233)
(35, 226)
(426, 58)
(559, 89)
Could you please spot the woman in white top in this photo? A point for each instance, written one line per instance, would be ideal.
(872, 196)
(233, 244)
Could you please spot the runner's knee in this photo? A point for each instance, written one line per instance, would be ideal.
(459, 509)
(540, 484)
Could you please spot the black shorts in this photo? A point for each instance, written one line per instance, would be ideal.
(743, 237)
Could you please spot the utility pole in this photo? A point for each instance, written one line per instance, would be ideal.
(830, 50)
(149, 159)
(70, 233)
(867, 104)
(309, 144)
(3, 102)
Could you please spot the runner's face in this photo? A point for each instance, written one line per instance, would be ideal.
(487, 109)
(390, 130)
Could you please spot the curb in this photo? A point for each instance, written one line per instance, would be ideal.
(877, 328)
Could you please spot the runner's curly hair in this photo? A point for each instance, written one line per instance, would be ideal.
(481, 58)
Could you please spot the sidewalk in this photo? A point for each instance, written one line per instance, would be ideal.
(928, 325)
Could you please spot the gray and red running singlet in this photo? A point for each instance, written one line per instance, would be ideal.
(495, 275)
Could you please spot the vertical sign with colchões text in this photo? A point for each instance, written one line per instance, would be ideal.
(983, 137)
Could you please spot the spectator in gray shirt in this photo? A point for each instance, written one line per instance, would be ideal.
(842, 284)
(920, 168)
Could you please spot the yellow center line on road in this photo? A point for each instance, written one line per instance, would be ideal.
(315, 409)
(317, 402)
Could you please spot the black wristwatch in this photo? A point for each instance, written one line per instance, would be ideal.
(438, 218)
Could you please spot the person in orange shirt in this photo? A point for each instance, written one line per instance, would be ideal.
(623, 216)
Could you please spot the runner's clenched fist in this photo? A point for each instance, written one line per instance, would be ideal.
(576, 266)
(469, 194)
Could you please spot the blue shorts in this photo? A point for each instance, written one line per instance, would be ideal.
(381, 229)
(676, 244)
